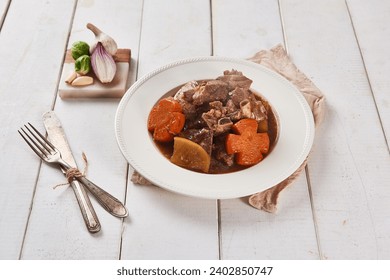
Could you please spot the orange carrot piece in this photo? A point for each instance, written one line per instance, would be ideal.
(177, 123)
(248, 146)
(166, 120)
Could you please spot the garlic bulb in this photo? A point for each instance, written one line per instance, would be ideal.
(108, 43)
(103, 64)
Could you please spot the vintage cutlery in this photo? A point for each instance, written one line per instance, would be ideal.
(57, 137)
(50, 154)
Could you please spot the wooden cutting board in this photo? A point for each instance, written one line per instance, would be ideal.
(115, 89)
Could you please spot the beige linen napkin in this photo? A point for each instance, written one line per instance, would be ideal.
(277, 60)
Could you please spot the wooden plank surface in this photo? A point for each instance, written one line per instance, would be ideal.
(338, 209)
(32, 54)
(164, 225)
(89, 125)
(4, 4)
(372, 30)
(242, 30)
(248, 233)
(349, 167)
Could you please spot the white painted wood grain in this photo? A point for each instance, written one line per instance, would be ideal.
(89, 125)
(246, 233)
(371, 23)
(173, 30)
(164, 225)
(348, 169)
(349, 166)
(3, 10)
(242, 30)
(31, 56)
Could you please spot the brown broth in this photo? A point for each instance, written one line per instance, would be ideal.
(217, 167)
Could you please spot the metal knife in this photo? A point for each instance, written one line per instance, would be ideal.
(57, 136)
(111, 204)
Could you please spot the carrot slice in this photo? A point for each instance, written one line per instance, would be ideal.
(166, 120)
(248, 146)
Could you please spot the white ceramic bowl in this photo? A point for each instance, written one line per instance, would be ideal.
(296, 130)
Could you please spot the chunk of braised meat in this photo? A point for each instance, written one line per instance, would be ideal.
(239, 94)
(219, 151)
(223, 125)
(230, 107)
(233, 111)
(250, 107)
(203, 137)
(186, 91)
(211, 91)
(184, 97)
(196, 120)
(235, 79)
(217, 125)
(216, 118)
(259, 112)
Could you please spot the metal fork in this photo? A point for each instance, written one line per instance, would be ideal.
(50, 154)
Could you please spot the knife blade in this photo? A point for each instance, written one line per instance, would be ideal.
(57, 136)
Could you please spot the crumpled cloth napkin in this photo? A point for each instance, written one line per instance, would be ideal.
(277, 60)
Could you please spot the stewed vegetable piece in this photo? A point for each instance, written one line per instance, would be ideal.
(189, 154)
(166, 120)
(248, 145)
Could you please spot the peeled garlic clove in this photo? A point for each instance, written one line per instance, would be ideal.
(103, 64)
(108, 43)
(71, 77)
(82, 81)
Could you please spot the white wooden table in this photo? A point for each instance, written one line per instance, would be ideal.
(338, 209)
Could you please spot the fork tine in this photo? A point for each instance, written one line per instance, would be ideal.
(41, 139)
(37, 142)
(29, 143)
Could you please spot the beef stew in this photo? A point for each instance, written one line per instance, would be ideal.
(211, 109)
